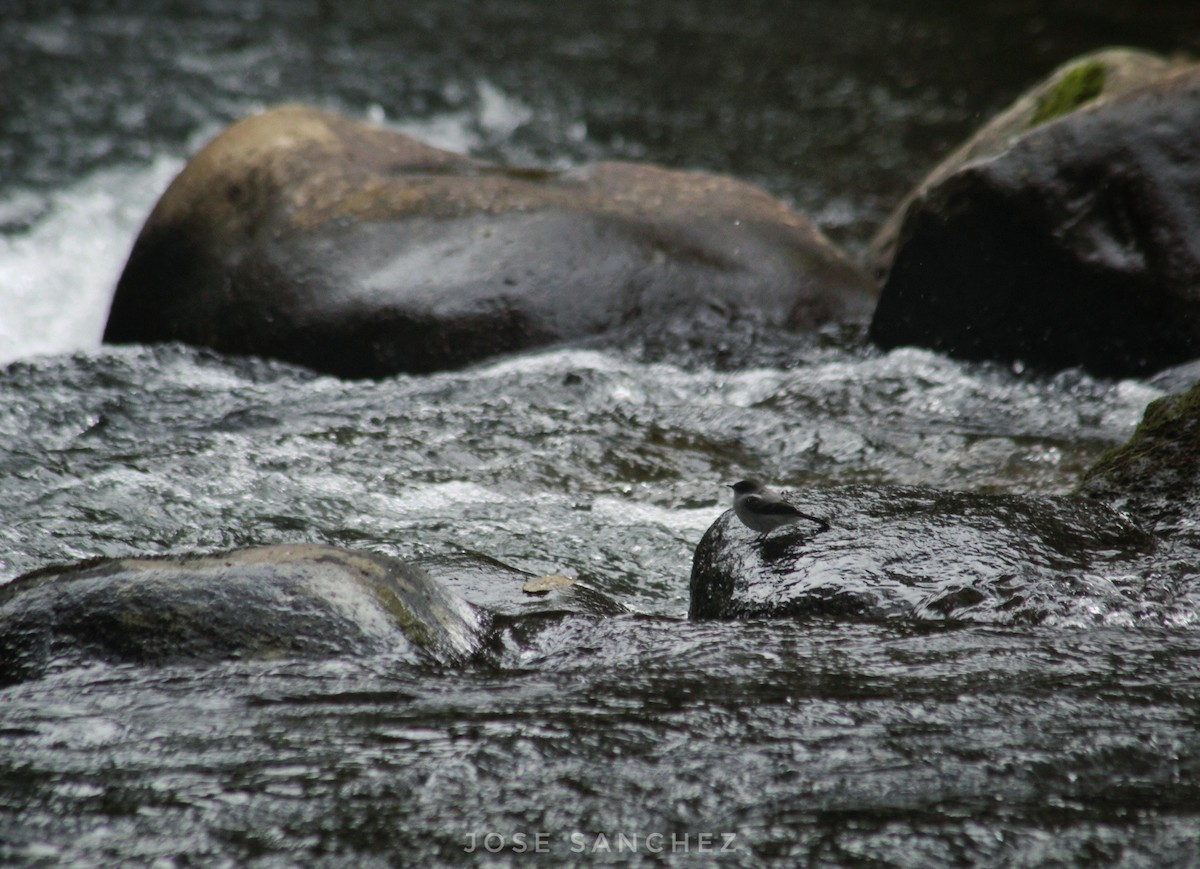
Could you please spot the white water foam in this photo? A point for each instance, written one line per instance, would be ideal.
(495, 115)
(57, 278)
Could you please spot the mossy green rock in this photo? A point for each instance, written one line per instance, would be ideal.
(266, 602)
(1075, 86)
(1084, 80)
(1065, 234)
(1155, 475)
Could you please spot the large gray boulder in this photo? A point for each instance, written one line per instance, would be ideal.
(359, 251)
(1067, 233)
(281, 601)
(924, 555)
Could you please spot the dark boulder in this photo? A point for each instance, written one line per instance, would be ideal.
(917, 554)
(1100, 75)
(267, 602)
(358, 251)
(1066, 234)
(1155, 475)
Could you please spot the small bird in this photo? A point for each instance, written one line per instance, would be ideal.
(763, 509)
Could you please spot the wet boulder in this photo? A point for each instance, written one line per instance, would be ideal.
(1100, 75)
(1155, 475)
(923, 555)
(527, 612)
(359, 251)
(267, 602)
(1066, 233)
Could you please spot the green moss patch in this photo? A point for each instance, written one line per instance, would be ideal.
(1079, 85)
(1161, 457)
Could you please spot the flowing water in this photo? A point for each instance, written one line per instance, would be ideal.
(641, 738)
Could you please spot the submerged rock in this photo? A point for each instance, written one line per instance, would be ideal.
(1155, 475)
(1065, 233)
(910, 553)
(359, 251)
(504, 590)
(266, 602)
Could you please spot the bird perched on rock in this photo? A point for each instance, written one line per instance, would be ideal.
(762, 509)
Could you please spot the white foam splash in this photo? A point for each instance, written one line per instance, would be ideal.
(57, 278)
(686, 522)
(495, 115)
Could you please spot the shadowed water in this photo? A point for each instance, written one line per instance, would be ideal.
(808, 742)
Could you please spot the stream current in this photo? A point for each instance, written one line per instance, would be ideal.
(641, 738)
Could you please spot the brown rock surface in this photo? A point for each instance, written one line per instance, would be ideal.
(360, 251)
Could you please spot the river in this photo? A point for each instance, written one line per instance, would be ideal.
(635, 739)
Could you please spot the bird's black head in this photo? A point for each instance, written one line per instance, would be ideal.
(746, 486)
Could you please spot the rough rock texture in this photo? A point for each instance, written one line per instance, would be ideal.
(1095, 77)
(907, 553)
(265, 602)
(359, 251)
(1155, 475)
(499, 588)
(1061, 239)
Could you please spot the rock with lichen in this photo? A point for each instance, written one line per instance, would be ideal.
(1155, 475)
(1076, 83)
(359, 251)
(1065, 233)
(283, 601)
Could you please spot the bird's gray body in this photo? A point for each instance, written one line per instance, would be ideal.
(762, 509)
